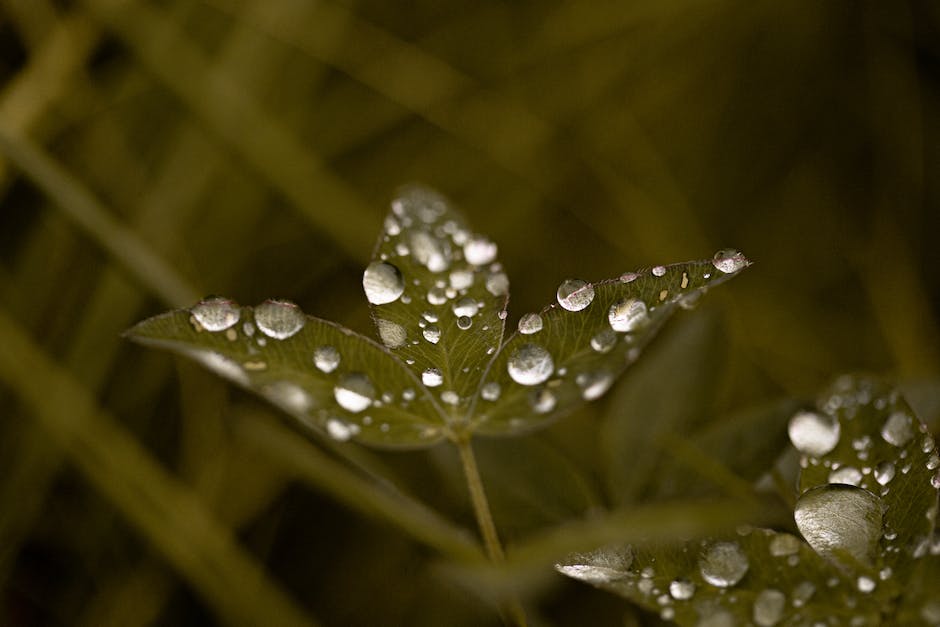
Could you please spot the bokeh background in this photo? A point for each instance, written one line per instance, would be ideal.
(152, 152)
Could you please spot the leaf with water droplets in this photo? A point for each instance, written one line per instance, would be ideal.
(322, 374)
(573, 350)
(438, 296)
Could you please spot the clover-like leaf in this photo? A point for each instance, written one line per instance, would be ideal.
(321, 373)
(866, 509)
(438, 296)
(574, 349)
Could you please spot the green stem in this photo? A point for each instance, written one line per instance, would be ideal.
(512, 613)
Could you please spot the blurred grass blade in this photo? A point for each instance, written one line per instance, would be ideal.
(326, 376)
(169, 514)
(438, 296)
(573, 350)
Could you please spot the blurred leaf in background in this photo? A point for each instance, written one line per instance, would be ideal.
(152, 153)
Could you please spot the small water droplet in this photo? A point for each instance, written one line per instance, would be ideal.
(279, 319)
(865, 584)
(659, 270)
(593, 385)
(768, 607)
(221, 365)
(530, 364)
(490, 391)
(450, 397)
(326, 358)
(432, 377)
(542, 401)
(430, 252)
(840, 518)
(288, 395)
(898, 429)
(393, 335)
(848, 475)
(813, 434)
(354, 392)
(802, 593)
(575, 294)
(604, 341)
(600, 566)
(628, 315)
(436, 296)
(497, 284)
(466, 307)
(530, 323)
(479, 251)
(382, 282)
(723, 564)
(341, 430)
(628, 277)
(681, 589)
(432, 333)
(884, 472)
(464, 323)
(783, 544)
(461, 279)
(729, 260)
(216, 314)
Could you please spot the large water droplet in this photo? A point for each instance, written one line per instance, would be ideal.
(530, 323)
(393, 334)
(628, 315)
(432, 377)
(729, 260)
(813, 434)
(490, 391)
(354, 392)
(461, 279)
(216, 314)
(479, 251)
(768, 607)
(497, 283)
(326, 358)
(723, 564)
(382, 283)
(279, 319)
(838, 519)
(432, 333)
(530, 364)
(898, 429)
(681, 589)
(575, 294)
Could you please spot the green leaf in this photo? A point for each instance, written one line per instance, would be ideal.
(324, 375)
(438, 296)
(574, 349)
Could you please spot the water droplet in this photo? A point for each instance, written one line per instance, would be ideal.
(729, 260)
(898, 429)
(865, 584)
(466, 307)
(393, 334)
(497, 284)
(341, 430)
(432, 253)
(432, 377)
(279, 319)
(530, 323)
(840, 518)
(326, 358)
(530, 364)
(216, 314)
(813, 434)
(783, 544)
(768, 607)
(802, 593)
(289, 395)
(490, 391)
(600, 566)
(436, 296)
(575, 294)
(432, 333)
(723, 564)
(659, 270)
(593, 385)
(461, 279)
(628, 277)
(382, 283)
(354, 392)
(542, 401)
(221, 365)
(628, 315)
(450, 397)
(479, 251)
(884, 472)
(681, 589)
(848, 475)
(464, 323)
(604, 341)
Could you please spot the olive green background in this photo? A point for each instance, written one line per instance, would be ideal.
(155, 152)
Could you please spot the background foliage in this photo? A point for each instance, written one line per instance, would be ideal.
(154, 152)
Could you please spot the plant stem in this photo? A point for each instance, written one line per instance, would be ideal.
(513, 612)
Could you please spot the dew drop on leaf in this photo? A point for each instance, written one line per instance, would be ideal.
(884, 472)
(326, 358)
(729, 260)
(464, 322)
(216, 314)
(768, 607)
(681, 589)
(813, 434)
(393, 334)
(466, 307)
(497, 284)
(840, 518)
(432, 377)
(479, 251)
(627, 315)
(279, 319)
(659, 271)
(865, 584)
(341, 430)
(575, 294)
(898, 429)
(593, 385)
(432, 333)
(461, 279)
(530, 323)
(783, 544)
(542, 401)
(288, 395)
(354, 392)
(530, 364)
(723, 564)
(849, 475)
(382, 282)
(490, 391)
(604, 341)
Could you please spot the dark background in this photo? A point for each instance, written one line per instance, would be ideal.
(252, 148)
